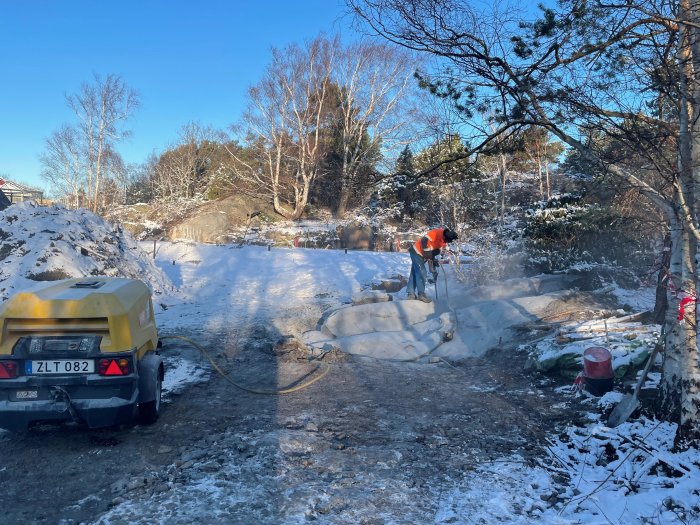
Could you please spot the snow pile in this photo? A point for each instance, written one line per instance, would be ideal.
(48, 243)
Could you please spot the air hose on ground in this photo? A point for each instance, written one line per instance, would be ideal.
(447, 302)
(326, 368)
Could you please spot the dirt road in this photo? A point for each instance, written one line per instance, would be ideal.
(372, 442)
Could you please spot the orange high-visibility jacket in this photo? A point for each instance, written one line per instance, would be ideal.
(436, 241)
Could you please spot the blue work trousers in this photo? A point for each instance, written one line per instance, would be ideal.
(417, 277)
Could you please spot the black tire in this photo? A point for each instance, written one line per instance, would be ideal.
(149, 411)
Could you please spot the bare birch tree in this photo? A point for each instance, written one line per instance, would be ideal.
(282, 126)
(62, 164)
(373, 80)
(101, 108)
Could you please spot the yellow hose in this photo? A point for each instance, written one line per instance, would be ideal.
(252, 390)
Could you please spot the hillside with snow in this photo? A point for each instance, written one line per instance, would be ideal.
(462, 434)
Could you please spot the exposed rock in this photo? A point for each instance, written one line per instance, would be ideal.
(210, 226)
(357, 237)
(371, 296)
(194, 455)
(399, 330)
(218, 221)
(382, 317)
(391, 284)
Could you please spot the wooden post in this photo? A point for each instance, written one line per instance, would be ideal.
(154, 248)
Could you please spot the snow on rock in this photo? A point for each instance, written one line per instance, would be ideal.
(398, 330)
(378, 317)
(48, 243)
(476, 320)
(392, 284)
(628, 343)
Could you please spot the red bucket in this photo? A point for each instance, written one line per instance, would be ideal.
(597, 363)
(597, 370)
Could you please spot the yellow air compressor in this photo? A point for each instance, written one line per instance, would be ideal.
(83, 350)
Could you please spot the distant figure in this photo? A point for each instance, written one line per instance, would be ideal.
(426, 249)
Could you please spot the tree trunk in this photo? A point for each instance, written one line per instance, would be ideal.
(661, 302)
(342, 202)
(690, 407)
(682, 372)
(345, 181)
(502, 168)
(301, 196)
(676, 337)
(277, 206)
(679, 399)
(546, 171)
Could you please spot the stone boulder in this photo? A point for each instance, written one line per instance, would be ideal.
(220, 221)
(210, 226)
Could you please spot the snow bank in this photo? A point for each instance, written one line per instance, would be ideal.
(48, 243)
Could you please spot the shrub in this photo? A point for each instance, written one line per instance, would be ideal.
(564, 232)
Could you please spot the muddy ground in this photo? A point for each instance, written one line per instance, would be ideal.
(371, 442)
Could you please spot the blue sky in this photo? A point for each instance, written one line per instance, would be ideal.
(189, 60)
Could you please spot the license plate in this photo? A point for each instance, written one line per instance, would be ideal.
(27, 394)
(60, 366)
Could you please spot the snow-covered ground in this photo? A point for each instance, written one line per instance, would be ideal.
(216, 283)
(592, 474)
(624, 475)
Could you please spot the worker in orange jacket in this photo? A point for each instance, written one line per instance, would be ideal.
(425, 250)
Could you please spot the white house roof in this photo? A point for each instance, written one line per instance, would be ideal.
(11, 188)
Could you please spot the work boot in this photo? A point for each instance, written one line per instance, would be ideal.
(424, 298)
(411, 295)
